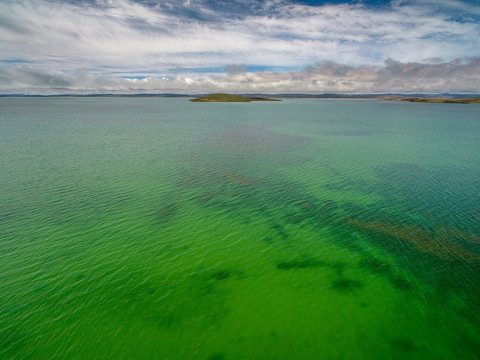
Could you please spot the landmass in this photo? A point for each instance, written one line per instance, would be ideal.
(416, 97)
(472, 100)
(230, 98)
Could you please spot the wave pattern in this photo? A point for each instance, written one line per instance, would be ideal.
(151, 228)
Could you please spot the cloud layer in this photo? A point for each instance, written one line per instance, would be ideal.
(392, 76)
(43, 44)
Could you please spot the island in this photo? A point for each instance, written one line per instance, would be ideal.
(472, 100)
(230, 98)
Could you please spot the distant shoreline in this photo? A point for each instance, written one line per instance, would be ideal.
(219, 97)
(472, 100)
(426, 98)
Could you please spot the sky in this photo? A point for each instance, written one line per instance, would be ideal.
(239, 46)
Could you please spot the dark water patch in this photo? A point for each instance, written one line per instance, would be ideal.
(221, 275)
(427, 194)
(218, 356)
(282, 201)
(254, 138)
(351, 210)
(280, 231)
(379, 267)
(225, 274)
(166, 213)
(208, 198)
(345, 237)
(296, 218)
(417, 249)
(447, 274)
(164, 301)
(465, 344)
(376, 266)
(307, 263)
(401, 283)
(268, 240)
(346, 285)
(194, 301)
(209, 283)
(421, 240)
(469, 309)
(338, 267)
(448, 194)
(402, 250)
(449, 234)
(168, 320)
(312, 210)
(403, 344)
(467, 240)
(311, 263)
(225, 188)
(241, 180)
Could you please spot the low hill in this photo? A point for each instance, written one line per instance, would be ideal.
(229, 98)
(474, 100)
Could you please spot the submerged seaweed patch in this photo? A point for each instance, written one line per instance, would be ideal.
(338, 267)
(313, 210)
(300, 264)
(346, 285)
(221, 275)
(375, 266)
(382, 268)
(403, 344)
(253, 138)
(268, 240)
(167, 212)
(401, 283)
(287, 206)
(421, 240)
(280, 230)
(217, 356)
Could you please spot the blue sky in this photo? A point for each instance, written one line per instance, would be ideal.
(193, 46)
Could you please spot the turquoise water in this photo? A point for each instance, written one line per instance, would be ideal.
(138, 228)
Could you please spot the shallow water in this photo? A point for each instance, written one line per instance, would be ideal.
(138, 228)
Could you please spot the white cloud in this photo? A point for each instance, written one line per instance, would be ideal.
(392, 76)
(123, 33)
(126, 37)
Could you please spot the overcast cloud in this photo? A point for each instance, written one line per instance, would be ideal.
(238, 46)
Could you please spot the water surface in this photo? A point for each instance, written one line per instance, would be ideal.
(138, 228)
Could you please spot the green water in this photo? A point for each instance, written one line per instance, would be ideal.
(163, 229)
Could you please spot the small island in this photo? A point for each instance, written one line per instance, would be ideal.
(230, 98)
(473, 100)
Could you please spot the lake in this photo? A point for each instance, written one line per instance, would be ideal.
(154, 228)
